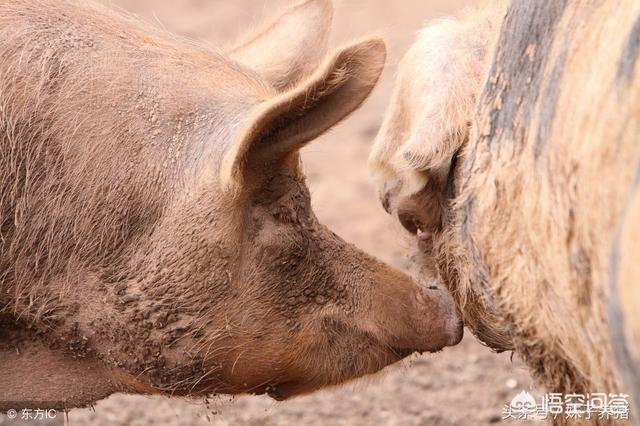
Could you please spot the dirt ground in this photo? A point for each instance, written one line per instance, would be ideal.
(465, 385)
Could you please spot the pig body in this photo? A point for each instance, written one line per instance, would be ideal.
(156, 234)
(531, 208)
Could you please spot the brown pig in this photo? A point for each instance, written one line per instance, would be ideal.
(156, 234)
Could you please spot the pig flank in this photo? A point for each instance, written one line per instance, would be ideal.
(156, 234)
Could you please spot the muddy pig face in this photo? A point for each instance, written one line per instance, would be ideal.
(312, 310)
(273, 301)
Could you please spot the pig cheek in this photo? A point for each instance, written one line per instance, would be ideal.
(298, 288)
(271, 305)
(297, 277)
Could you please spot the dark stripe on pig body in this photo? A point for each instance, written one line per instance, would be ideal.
(516, 80)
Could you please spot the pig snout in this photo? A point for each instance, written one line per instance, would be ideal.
(412, 318)
(434, 299)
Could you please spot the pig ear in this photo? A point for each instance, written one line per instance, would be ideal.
(284, 124)
(291, 46)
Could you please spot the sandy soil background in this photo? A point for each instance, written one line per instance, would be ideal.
(465, 385)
